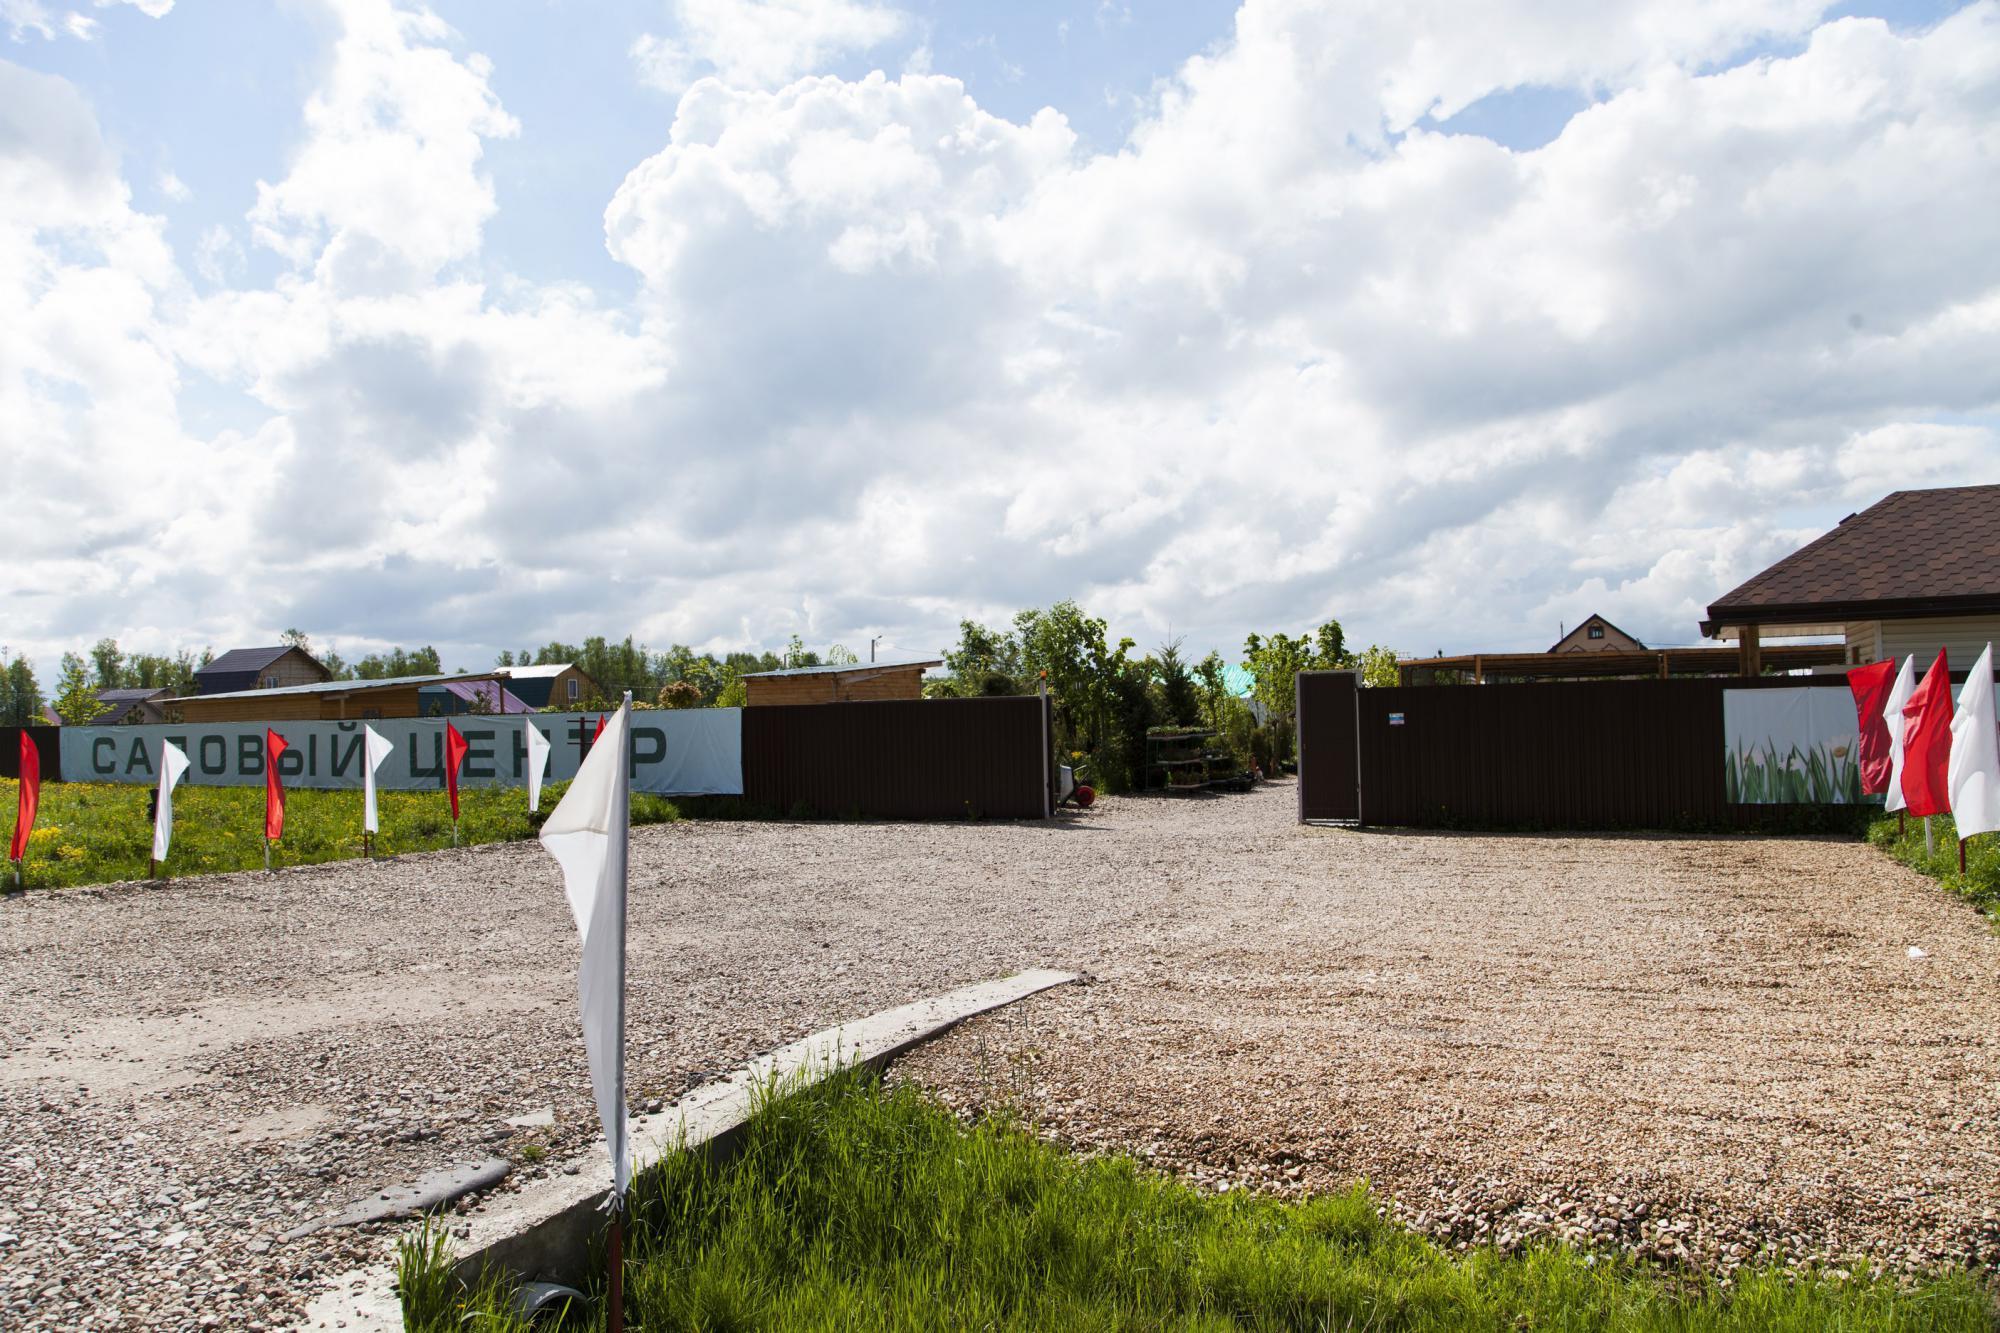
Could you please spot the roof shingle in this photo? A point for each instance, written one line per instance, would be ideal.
(1912, 552)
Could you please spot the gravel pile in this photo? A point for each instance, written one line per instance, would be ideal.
(1692, 1047)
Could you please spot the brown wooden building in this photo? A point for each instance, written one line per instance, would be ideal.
(554, 685)
(271, 668)
(838, 684)
(322, 701)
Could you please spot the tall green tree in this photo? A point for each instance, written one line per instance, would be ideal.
(1274, 663)
(399, 662)
(109, 663)
(24, 694)
(76, 701)
(1180, 697)
(1378, 666)
(984, 662)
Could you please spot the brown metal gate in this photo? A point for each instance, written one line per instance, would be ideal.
(1327, 710)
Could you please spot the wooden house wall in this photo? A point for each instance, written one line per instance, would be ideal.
(833, 687)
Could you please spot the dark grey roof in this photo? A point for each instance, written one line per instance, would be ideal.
(124, 695)
(835, 670)
(245, 659)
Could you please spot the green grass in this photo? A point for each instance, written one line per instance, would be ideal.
(1981, 881)
(97, 832)
(855, 1208)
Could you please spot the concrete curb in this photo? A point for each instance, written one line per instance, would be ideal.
(542, 1231)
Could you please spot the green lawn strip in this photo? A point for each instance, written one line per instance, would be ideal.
(98, 832)
(852, 1207)
(1981, 881)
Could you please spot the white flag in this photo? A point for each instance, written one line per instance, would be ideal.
(172, 764)
(538, 762)
(376, 749)
(1892, 713)
(1973, 778)
(586, 834)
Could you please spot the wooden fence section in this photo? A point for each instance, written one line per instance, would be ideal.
(1641, 754)
(48, 744)
(899, 759)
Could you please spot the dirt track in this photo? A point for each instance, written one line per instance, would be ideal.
(1690, 1046)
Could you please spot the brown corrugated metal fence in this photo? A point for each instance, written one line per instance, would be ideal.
(1641, 754)
(1327, 715)
(48, 745)
(899, 759)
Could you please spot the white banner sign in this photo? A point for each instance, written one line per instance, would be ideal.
(672, 752)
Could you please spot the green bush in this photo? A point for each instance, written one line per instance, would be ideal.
(1981, 881)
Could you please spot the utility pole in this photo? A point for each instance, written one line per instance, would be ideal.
(871, 647)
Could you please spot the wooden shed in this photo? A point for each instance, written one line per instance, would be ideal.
(552, 685)
(325, 701)
(271, 668)
(838, 684)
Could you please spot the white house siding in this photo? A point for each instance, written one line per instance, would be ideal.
(1962, 637)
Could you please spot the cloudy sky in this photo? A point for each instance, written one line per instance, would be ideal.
(484, 324)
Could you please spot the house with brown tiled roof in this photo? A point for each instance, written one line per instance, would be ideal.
(1912, 573)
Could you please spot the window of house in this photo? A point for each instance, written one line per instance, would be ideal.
(573, 691)
(1595, 632)
(270, 682)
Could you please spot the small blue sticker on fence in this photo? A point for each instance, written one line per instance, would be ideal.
(1395, 719)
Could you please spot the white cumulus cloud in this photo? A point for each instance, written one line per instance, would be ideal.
(761, 43)
(1295, 349)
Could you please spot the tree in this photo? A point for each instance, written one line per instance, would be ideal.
(841, 655)
(110, 664)
(76, 700)
(1378, 666)
(798, 655)
(680, 694)
(397, 662)
(155, 671)
(1180, 700)
(986, 662)
(24, 694)
(1274, 663)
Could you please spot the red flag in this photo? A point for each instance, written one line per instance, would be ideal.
(1927, 743)
(274, 790)
(454, 755)
(31, 797)
(1871, 686)
(600, 729)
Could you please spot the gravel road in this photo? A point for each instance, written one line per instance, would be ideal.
(1691, 1046)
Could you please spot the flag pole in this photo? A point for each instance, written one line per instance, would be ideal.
(1930, 848)
(614, 1321)
(1961, 856)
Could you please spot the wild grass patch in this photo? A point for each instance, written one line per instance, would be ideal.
(856, 1207)
(99, 832)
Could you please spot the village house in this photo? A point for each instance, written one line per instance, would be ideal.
(1915, 572)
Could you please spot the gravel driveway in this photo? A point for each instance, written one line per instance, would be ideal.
(1685, 1045)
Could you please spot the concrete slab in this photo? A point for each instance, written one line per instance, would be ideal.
(541, 1231)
